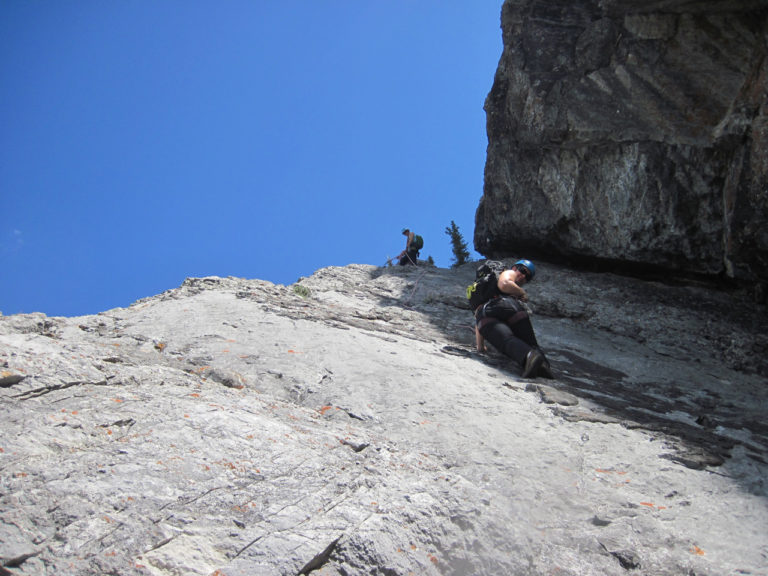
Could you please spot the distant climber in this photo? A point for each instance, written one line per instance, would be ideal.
(413, 244)
(502, 319)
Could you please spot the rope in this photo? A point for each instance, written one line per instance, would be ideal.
(408, 300)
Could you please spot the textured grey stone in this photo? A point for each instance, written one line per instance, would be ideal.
(551, 395)
(234, 427)
(631, 134)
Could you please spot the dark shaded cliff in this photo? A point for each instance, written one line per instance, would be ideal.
(630, 134)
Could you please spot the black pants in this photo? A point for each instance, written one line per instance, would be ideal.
(411, 257)
(505, 323)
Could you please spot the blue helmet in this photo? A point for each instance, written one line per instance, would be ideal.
(528, 265)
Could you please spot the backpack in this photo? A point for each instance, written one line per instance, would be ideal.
(485, 286)
(417, 243)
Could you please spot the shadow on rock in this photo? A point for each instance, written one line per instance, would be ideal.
(687, 364)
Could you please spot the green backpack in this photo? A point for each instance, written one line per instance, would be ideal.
(485, 286)
(417, 243)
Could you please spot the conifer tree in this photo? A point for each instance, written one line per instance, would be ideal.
(460, 251)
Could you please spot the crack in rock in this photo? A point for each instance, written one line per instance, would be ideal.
(320, 560)
(54, 387)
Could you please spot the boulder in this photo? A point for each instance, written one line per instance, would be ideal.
(631, 136)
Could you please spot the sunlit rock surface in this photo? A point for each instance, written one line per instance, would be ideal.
(345, 425)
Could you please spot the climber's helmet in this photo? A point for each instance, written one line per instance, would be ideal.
(527, 268)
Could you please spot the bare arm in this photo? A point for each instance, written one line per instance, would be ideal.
(507, 285)
(479, 340)
(407, 244)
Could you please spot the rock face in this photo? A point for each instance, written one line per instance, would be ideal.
(631, 133)
(345, 425)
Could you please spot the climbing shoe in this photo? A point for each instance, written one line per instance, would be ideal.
(533, 362)
(545, 369)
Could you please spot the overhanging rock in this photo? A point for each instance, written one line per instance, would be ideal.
(630, 133)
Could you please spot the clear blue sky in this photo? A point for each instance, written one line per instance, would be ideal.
(146, 141)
